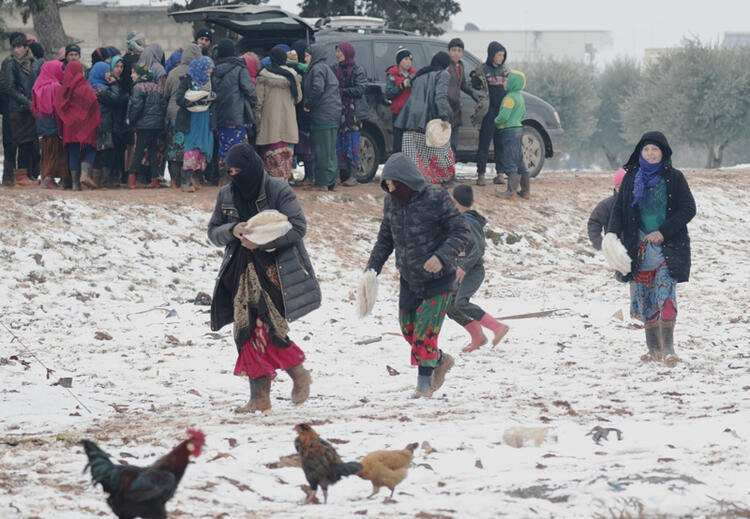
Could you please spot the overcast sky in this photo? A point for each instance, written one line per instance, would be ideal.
(635, 24)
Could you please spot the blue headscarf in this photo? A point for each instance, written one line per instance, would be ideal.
(198, 70)
(173, 61)
(97, 75)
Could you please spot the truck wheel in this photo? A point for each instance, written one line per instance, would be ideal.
(532, 145)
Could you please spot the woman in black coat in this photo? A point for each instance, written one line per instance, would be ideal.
(650, 217)
(262, 287)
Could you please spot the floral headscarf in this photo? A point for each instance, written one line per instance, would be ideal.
(198, 70)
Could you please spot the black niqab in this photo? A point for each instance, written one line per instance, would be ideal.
(246, 185)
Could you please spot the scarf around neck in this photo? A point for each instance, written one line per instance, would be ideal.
(646, 178)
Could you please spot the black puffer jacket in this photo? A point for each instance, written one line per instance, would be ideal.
(299, 287)
(625, 219)
(235, 93)
(113, 104)
(429, 224)
(147, 107)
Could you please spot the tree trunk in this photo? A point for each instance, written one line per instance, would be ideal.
(715, 155)
(611, 158)
(48, 27)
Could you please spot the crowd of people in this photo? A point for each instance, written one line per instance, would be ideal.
(131, 115)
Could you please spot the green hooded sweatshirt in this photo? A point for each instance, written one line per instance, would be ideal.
(513, 107)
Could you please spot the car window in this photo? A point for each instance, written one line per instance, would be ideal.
(384, 54)
(362, 54)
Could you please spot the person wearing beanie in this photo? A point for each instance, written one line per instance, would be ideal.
(470, 275)
(253, 281)
(398, 79)
(72, 53)
(600, 215)
(204, 37)
(421, 224)
(429, 101)
(509, 126)
(649, 221)
(489, 79)
(17, 75)
(236, 100)
(457, 85)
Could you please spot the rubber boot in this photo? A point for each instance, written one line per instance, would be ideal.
(525, 186)
(260, 396)
(67, 182)
(653, 342)
(132, 180)
(477, 337)
(481, 181)
(188, 181)
(97, 175)
(498, 180)
(441, 370)
(75, 177)
(666, 329)
(496, 327)
(302, 380)
(87, 179)
(424, 383)
(22, 178)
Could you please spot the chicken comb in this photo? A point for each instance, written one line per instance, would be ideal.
(197, 437)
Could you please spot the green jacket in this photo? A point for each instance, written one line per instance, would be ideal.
(513, 107)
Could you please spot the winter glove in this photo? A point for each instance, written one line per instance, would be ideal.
(367, 293)
(616, 254)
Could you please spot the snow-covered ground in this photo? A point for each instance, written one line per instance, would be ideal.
(131, 265)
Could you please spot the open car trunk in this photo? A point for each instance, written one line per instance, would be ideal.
(263, 26)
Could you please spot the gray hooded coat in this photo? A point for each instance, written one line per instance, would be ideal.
(235, 93)
(189, 53)
(321, 90)
(428, 224)
(428, 101)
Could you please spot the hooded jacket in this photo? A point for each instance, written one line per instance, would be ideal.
(428, 101)
(625, 219)
(428, 224)
(17, 83)
(147, 106)
(513, 108)
(235, 93)
(488, 78)
(276, 111)
(474, 254)
(321, 91)
(189, 53)
(395, 87)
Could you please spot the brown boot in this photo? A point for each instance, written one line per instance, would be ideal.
(441, 370)
(260, 396)
(132, 181)
(302, 380)
(22, 178)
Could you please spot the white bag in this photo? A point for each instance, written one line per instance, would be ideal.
(437, 133)
(367, 293)
(616, 254)
(266, 227)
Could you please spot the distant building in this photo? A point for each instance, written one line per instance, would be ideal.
(736, 39)
(534, 45)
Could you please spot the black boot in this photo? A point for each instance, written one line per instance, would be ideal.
(525, 185)
(76, 180)
(667, 343)
(653, 342)
(175, 173)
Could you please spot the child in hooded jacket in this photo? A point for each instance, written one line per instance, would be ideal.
(509, 122)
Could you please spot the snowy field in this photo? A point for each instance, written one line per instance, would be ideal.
(100, 288)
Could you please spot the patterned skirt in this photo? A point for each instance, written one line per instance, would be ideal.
(194, 160)
(421, 328)
(228, 137)
(54, 158)
(438, 165)
(278, 160)
(653, 295)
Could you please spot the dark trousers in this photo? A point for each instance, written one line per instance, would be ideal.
(510, 161)
(489, 134)
(463, 311)
(9, 150)
(78, 153)
(120, 141)
(146, 144)
(26, 156)
(454, 140)
(398, 136)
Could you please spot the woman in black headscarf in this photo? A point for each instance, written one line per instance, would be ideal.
(649, 218)
(262, 287)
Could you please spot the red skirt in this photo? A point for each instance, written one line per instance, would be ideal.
(254, 363)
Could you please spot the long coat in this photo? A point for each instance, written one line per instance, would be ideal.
(276, 116)
(299, 286)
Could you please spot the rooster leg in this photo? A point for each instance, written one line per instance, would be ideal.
(375, 491)
(325, 495)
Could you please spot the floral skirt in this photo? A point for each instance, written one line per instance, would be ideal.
(54, 158)
(421, 327)
(255, 362)
(175, 145)
(653, 295)
(228, 137)
(347, 149)
(194, 160)
(278, 160)
(438, 165)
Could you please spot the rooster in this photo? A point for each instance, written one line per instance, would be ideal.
(320, 462)
(387, 468)
(142, 491)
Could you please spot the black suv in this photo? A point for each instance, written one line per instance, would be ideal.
(376, 50)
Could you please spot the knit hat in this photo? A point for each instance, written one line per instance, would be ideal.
(72, 48)
(456, 42)
(225, 49)
(17, 39)
(135, 41)
(464, 195)
(204, 33)
(402, 53)
(619, 175)
(36, 49)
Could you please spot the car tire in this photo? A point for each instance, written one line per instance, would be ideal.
(370, 152)
(532, 145)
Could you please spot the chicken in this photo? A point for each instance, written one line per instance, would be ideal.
(387, 468)
(320, 462)
(142, 491)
